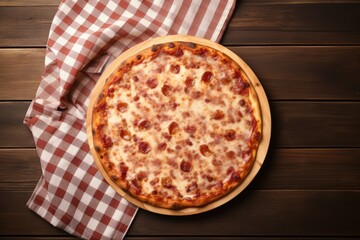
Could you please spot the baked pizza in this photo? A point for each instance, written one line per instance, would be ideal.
(177, 125)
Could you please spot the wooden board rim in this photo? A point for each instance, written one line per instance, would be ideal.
(262, 99)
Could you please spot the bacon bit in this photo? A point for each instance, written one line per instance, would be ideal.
(173, 105)
(188, 142)
(192, 65)
(175, 68)
(135, 78)
(125, 134)
(189, 82)
(179, 52)
(141, 176)
(101, 106)
(144, 147)
(166, 182)
(256, 136)
(230, 154)
(167, 136)
(106, 141)
(219, 185)
(144, 125)
(114, 177)
(162, 146)
(123, 171)
(230, 134)
(191, 187)
(230, 170)
(166, 90)
(216, 162)
(209, 178)
(235, 177)
(240, 86)
(135, 185)
(154, 181)
(186, 114)
(173, 128)
(152, 83)
(185, 166)
(122, 107)
(191, 129)
(217, 115)
(225, 81)
(205, 151)
(196, 94)
(242, 102)
(207, 76)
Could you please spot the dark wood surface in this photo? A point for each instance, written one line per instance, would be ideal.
(306, 54)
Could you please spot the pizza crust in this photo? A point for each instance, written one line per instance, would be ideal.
(114, 173)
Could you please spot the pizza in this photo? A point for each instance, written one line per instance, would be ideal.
(177, 125)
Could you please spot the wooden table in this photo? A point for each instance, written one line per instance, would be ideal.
(306, 53)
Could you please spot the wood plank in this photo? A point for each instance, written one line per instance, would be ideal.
(293, 24)
(258, 213)
(179, 238)
(331, 72)
(305, 73)
(315, 124)
(25, 26)
(29, 3)
(20, 72)
(12, 130)
(298, 124)
(300, 169)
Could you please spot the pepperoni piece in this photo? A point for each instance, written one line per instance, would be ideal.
(191, 129)
(179, 52)
(217, 115)
(230, 154)
(166, 90)
(106, 141)
(162, 146)
(188, 142)
(240, 86)
(196, 94)
(152, 83)
(207, 76)
(230, 134)
(205, 151)
(144, 147)
(185, 166)
(141, 176)
(125, 134)
(122, 107)
(175, 68)
(173, 128)
(144, 125)
(189, 82)
(166, 182)
(123, 171)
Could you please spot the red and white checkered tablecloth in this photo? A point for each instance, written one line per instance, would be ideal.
(84, 37)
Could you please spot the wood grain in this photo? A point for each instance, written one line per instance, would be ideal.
(257, 213)
(273, 23)
(298, 124)
(20, 72)
(284, 169)
(25, 26)
(314, 73)
(293, 24)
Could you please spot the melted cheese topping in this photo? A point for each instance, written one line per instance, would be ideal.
(203, 124)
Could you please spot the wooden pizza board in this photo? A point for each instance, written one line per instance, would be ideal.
(265, 112)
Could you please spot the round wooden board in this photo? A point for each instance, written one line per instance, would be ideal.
(265, 112)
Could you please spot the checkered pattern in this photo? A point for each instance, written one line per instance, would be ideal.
(84, 37)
